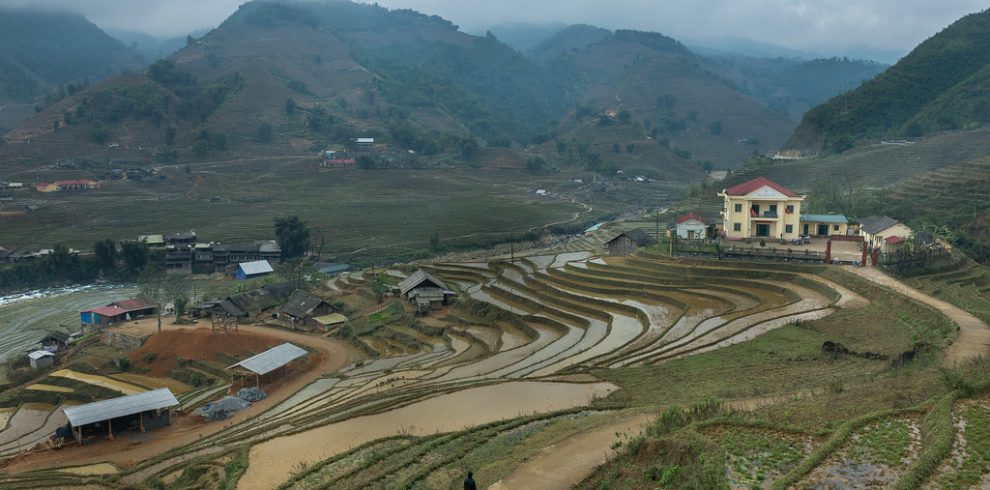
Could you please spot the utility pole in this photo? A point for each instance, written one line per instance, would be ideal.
(658, 225)
(512, 248)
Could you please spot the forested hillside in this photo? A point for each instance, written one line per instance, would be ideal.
(940, 85)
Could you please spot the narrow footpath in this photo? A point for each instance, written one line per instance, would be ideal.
(973, 341)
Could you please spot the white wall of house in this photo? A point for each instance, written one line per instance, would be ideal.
(691, 229)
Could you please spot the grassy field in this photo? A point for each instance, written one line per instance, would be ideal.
(355, 211)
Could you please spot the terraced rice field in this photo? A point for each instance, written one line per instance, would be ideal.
(24, 323)
(509, 376)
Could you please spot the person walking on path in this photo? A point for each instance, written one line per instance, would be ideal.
(469, 482)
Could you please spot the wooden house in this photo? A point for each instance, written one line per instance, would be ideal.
(628, 242)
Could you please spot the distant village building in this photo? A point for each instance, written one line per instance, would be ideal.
(337, 159)
(364, 144)
(425, 291)
(824, 225)
(628, 242)
(55, 341)
(248, 303)
(252, 270)
(883, 232)
(691, 227)
(224, 254)
(761, 208)
(330, 322)
(117, 312)
(41, 359)
(302, 308)
(152, 241)
(66, 185)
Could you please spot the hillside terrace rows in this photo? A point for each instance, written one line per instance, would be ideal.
(569, 313)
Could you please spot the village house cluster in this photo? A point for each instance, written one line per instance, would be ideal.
(183, 252)
(763, 212)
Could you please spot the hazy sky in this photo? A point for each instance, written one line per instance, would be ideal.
(823, 26)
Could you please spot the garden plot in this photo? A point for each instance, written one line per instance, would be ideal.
(968, 465)
(101, 381)
(874, 457)
(757, 457)
(31, 432)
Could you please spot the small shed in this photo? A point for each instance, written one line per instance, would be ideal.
(40, 359)
(141, 411)
(268, 361)
(251, 270)
(691, 227)
(302, 307)
(329, 322)
(628, 242)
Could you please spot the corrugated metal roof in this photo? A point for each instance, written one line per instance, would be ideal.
(120, 407)
(271, 359)
(825, 218)
(331, 319)
(876, 224)
(417, 278)
(38, 354)
(256, 267)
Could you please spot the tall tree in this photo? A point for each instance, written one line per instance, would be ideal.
(105, 253)
(135, 257)
(162, 288)
(292, 235)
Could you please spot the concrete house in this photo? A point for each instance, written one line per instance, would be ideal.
(761, 208)
(883, 232)
(628, 242)
(691, 227)
(824, 225)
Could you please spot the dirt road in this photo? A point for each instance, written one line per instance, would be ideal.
(124, 451)
(974, 336)
(567, 463)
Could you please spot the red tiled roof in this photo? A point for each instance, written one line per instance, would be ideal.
(688, 217)
(747, 187)
(134, 304)
(894, 240)
(107, 310)
(74, 182)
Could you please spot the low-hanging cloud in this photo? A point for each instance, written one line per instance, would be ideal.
(827, 26)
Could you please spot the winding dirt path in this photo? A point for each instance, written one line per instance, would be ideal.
(569, 462)
(973, 341)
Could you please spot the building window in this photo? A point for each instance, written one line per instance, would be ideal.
(788, 228)
(835, 227)
(738, 209)
(737, 226)
(789, 209)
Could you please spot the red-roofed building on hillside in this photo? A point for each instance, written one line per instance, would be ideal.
(113, 313)
(761, 208)
(691, 227)
(66, 185)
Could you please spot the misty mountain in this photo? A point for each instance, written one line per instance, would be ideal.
(40, 50)
(793, 86)
(941, 85)
(524, 37)
(152, 48)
